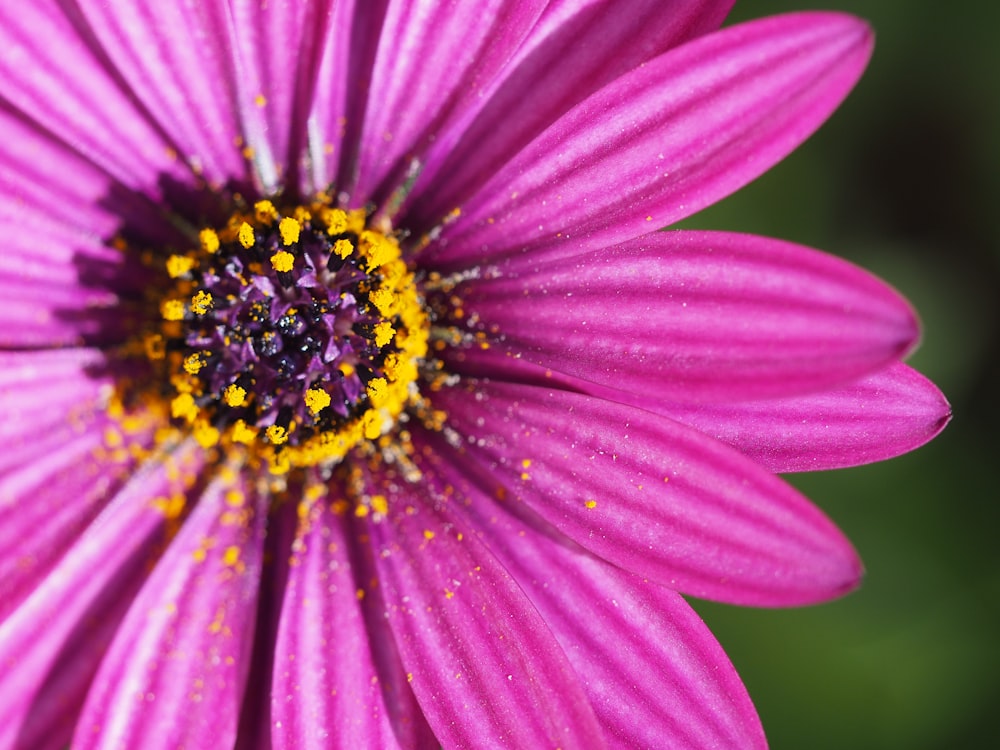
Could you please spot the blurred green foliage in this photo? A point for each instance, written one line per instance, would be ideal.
(904, 180)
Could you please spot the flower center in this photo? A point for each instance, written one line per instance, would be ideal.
(295, 332)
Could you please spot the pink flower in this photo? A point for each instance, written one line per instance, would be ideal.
(351, 397)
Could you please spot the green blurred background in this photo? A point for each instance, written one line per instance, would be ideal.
(904, 180)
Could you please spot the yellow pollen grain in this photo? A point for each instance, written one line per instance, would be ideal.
(282, 261)
(234, 395)
(194, 363)
(428, 534)
(231, 556)
(591, 504)
(201, 302)
(260, 100)
(379, 504)
(245, 235)
(276, 434)
(346, 368)
(209, 240)
(384, 333)
(172, 309)
(179, 265)
(316, 400)
(361, 511)
(343, 248)
(289, 229)
(184, 407)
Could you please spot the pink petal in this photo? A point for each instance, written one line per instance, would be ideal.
(652, 670)
(59, 207)
(179, 65)
(183, 649)
(50, 496)
(665, 140)
(327, 684)
(51, 645)
(40, 314)
(485, 668)
(279, 45)
(57, 77)
(695, 315)
(433, 61)
(343, 71)
(650, 495)
(892, 412)
(575, 49)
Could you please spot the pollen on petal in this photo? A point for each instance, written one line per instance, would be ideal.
(380, 504)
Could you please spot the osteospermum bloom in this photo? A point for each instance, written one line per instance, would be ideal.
(352, 398)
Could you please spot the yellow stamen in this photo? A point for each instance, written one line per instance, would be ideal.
(382, 299)
(343, 248)
(184, 407)
(172, 309)
(209, 241)
(316, 400)
(179, 265)
(206, 435)
(201, 303)
(335, 220)
(289, 229)
(234, 395)
(282, 261)
(265, 212)
(378, 391)
(194, 363)
(242, 433)
(384, 333)
(246, 236)
(276, 434)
